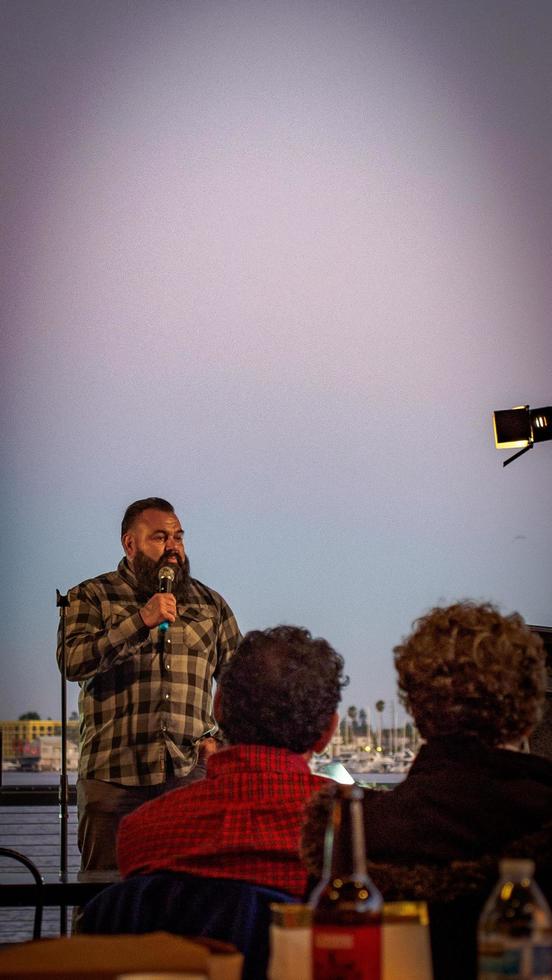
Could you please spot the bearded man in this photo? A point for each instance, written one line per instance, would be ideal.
(146, 716)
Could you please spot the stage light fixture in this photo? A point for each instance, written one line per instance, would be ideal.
(520, 427)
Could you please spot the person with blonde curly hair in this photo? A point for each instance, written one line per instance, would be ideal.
(467, 670)
(474, 681)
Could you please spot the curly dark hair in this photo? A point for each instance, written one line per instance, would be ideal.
(466, 669)
(280, 688)
(139, 506)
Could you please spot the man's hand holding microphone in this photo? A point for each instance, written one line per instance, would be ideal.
(160, 610)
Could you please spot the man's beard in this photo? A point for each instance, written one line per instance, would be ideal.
(146, 571)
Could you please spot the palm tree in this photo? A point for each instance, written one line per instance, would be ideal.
(370, 737)
(380, 708)
(352, 714)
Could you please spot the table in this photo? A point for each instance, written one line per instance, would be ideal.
(18, 889)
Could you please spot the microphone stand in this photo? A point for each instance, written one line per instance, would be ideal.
(62, 603)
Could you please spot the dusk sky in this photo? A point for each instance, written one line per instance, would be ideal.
(276, 261)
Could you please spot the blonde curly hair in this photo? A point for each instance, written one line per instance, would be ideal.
(468, 670)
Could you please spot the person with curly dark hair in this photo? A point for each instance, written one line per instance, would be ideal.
(282, 690)
(276, 704)
(474, 681)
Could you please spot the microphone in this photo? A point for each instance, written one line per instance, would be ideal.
(166, 579)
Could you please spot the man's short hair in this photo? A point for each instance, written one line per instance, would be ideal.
(468, 670)
(134, 510)
(281, 688)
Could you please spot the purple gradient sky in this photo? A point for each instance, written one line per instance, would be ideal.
(278, 262)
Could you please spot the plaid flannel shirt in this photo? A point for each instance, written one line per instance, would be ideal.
(242, 821)
(137, 704)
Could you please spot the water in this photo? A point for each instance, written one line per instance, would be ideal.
(35, 831)
(17, 778)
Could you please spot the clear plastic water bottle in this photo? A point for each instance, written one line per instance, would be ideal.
(514, 935)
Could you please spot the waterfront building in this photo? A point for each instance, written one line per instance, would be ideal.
(14, 735)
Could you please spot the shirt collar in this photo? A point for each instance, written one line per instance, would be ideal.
(126, 573)
(246, 758)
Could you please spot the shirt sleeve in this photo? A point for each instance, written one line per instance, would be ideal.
(91, 645)
(228, 636)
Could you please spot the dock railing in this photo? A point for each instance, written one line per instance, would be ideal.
(30, 823)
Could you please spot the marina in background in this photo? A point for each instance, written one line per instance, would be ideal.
(31, 744)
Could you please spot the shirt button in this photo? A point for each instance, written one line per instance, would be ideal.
(167, 696)
(167, 666)
(163, 727)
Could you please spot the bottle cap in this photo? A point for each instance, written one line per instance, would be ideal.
(517, 866)
(403, 912)
(291, 915)
(349, 791)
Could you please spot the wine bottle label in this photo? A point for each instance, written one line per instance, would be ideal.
(347, 952)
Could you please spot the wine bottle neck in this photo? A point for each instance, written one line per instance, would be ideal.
(345, 853)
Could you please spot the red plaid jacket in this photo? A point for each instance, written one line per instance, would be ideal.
(242, 821)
